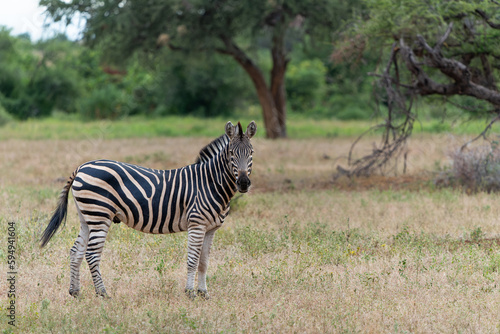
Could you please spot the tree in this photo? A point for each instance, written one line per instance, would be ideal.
(446, 48)
(30, 84)
(229, 27)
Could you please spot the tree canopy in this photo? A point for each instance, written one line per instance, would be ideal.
(229, 27)
(440, 48)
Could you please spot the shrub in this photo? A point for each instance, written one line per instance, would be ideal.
(4, 116)
(353, 113)
(351, 106)
(108, 102)
(53, 88)
(9, 80)
(38, 97)
(200, 85)
(305, 84)
(476, 169)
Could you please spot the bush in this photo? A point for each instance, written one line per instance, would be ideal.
(200, 85)
(475, 169)
(108, 102)
(351, 106)
(51, 88)
(305, 84)
(354, 113)
(9, 80)
(4, 116)
(21, 107)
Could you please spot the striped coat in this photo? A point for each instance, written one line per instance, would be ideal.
(193, 198)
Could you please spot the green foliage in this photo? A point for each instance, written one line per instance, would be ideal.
(130, 70)
(9, 80)
(205, 85)
(31, 84)
(391, 20)
(351, 107)
(5, 117)
(305, 84)
(108, 102)
(192, 82)
(57, 74)
(123, 28)
(472, 41)
(53, 88)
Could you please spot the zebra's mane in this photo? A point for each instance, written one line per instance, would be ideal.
(212, 149)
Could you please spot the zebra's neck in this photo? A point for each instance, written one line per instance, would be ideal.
(215, 159)
(213, 149)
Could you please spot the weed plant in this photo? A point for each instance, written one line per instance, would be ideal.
(475, 169)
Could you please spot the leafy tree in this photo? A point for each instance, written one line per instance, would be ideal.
(228, 27)
(203, 85)
(31, 84)
(445, 48)
(305, 83)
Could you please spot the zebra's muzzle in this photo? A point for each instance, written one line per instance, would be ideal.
(243, 184)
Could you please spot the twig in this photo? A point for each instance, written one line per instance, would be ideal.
(482, 134)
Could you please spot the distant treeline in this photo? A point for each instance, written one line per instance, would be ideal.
(38, 78)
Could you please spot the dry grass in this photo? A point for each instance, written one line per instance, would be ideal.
(300, 253)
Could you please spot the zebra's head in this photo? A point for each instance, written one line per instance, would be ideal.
(240, 151)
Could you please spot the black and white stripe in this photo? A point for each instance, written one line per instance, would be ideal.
(193, 198)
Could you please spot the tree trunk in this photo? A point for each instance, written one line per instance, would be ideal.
(278, 71)
(269, 110)
(274, 118)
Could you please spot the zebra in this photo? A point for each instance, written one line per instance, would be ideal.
(194, 198)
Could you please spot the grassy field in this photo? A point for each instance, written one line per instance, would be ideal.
(299, 253)
(70, 127)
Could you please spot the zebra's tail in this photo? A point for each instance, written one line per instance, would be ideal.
(59, 214)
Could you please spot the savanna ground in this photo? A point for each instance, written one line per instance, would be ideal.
(301, 252)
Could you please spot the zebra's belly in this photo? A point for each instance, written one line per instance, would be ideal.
(144, 217)
(159, 225)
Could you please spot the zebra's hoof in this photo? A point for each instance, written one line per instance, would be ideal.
(102, 293)
(74, 293)
(203, 294)
(191, 293)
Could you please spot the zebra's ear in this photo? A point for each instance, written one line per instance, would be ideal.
(239, 130)
(251, 129)
(230, 130)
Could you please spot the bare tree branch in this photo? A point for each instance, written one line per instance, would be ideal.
(487, 19)
(439, 44)
(397, 126)
(453, 69)
(482, 134)
(446, 69)
(424, 84)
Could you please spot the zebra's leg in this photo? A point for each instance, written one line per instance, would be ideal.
(97, 237)
(203, 265)
(76, 256)
(196, 234)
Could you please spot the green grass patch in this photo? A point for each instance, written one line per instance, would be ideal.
(71, 127)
